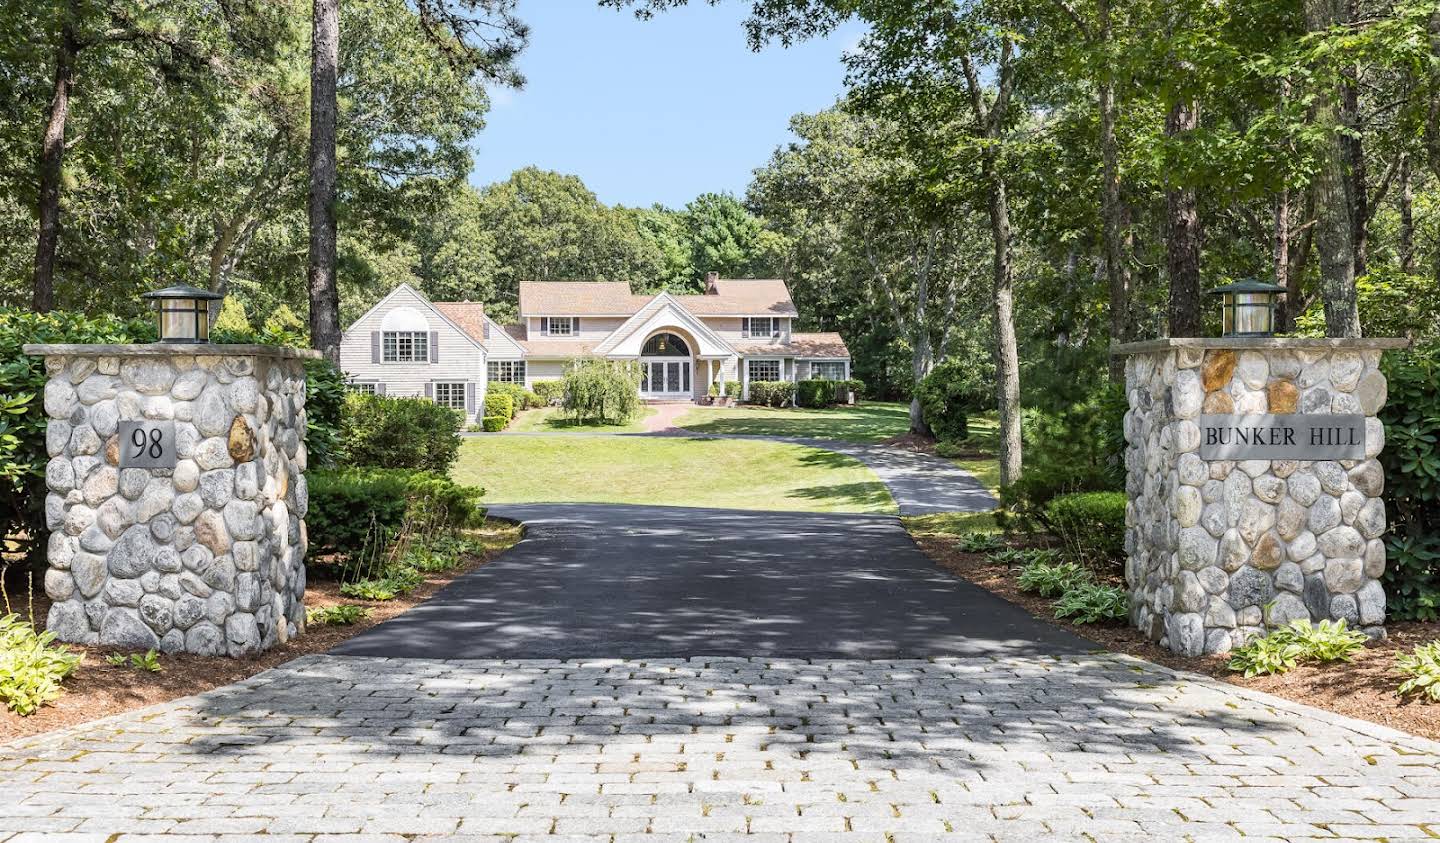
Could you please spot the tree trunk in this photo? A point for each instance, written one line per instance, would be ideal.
(324, 296)
(1182, 242)
(1334, 207)
(1407, 217)
(52, 161)
(1117, 268)
(1285, 314)
(1007, 356)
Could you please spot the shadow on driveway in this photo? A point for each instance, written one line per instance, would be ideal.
(596, 580)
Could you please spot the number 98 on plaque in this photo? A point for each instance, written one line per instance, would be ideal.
(147, 444)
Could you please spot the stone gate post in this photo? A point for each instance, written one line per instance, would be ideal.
(177, 495)
(1255, 495)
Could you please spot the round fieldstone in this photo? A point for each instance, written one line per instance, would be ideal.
(1290, 518)
(1374, 437)
(1343, 608)
(187, 507)
(213, 453)
(205, 639)
(1345, 403)
(1302, 546)
(1219, 613)
(1324, 515)
(132, 482)
(172, 642)
(1285, 608)
(219, 606)
(188, 385)
(1213, 580)
(60, 399)
(68, 621)
(1269, 488)
(105, 418)
(242, 635)
(1269, 552)
(210, 415)
(1213, 519)
(60, 475)
(60, 549)
(1304, 487)
(88, 569)
(157, 612)
(1370, 602)
(1289, 577)
(242, 519)
(1368, 478)
(1341, 542)
(123, 592)
(123, 628)
(1344, 576)
(1233, 551)
(186, 476)
(162, 527)
(1192, 470)
(1370, 520)
(1316, 400)
(219, 574)
(133, 554)
(1186, 395)
(148, 375)
(1253, 369)
(1217, 641)
(1256, 517)
(188, 610)
(1374, 558)
(59, 585)
(1250, 587)
(217, 487)
(158, 497)
(1345, 370)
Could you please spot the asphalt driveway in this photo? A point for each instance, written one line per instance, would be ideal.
(614, 581)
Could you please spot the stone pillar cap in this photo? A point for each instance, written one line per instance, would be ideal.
(1263, 344)
(169, 349)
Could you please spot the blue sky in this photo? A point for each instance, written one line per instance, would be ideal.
(652, 111)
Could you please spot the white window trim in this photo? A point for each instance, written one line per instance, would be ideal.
(747, 327)
(363, 387)
(548, 324)
(385, 346)
(512, 364)
(845, 364)
(435, 393)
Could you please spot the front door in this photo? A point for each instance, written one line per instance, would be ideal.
(668, 378)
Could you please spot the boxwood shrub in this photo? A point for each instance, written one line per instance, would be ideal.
(350, 508)
(549, 392)
(1091, 524)
(820, 392)
(499, 402)
(772, 393)
(493, 424)
(388, 432)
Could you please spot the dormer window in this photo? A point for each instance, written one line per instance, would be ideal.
(559, 326)
(759, 326)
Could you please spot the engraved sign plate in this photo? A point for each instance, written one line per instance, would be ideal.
(147, 444)
(1301, 436)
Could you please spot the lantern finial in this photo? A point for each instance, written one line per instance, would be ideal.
(1248, 308)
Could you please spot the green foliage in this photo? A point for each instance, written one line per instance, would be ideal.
(147, 662)
(819, 392)
(951, 393)
(344, 614)
(231, 323)
(980, 542)
(726, 238)
(1287, 646)
(733, 389)
(499, 403)
(1012, 556)
(493, 424)
(772, 393)
(22, 413)
(283, 322)
(32, 667)
(1421, 666)
(549, 392)
(602, 391)
(1078, 448)
(324, 408)
(387, 432)
(1051, 579)
(352, 510)
(1089, 602)
(377, 589)
(951, 450)
(1392, 304)
(1090, 524)
(1412, 481)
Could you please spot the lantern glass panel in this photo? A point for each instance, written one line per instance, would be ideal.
(180, 319)
(1254, 313)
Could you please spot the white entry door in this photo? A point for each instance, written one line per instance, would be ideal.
(665, 378)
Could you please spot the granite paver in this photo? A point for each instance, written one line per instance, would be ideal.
(1007, 747)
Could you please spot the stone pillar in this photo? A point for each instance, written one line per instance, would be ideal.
(1218, 549)
(202, 550)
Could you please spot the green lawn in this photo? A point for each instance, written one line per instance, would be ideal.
(553, 420)
(868, 422)
(984, 441)
(730, 474)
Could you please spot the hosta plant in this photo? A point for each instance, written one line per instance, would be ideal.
(1421, 666)
(31, 666)
(1287, 646)
(342, 615)
(1051, 579)
(979, 542)
(1012, 556)
(1265, 656)
(381, 589)
(1093, 603)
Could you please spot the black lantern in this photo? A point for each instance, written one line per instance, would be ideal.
(1248, 308)
(184, 312)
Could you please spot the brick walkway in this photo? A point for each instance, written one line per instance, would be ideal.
(1013, 748)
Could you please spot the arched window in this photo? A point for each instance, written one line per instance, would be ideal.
(665, 345)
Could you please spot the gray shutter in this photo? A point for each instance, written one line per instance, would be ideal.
(434, 347)
(374, 346)
(575, 325)
(544, 325)
(379, 389)
(430, 390)
(486, 331)
(470, 397)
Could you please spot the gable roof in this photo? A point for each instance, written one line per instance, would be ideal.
(406, 288)
(820, 345)
(743, 297)
(578, 298)
(469, 316)
(660, 311)
(733, 297)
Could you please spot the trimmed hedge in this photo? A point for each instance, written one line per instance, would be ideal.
(390, 432)
(499, 404)
(549, 392)
(772, 393)
(821, 392)
(351, 507)
(949, 395)
(493, 424)
(1091, 524)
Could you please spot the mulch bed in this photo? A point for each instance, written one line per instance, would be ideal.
(1363, 689)
(98, 690)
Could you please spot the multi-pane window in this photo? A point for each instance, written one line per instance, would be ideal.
(405, 347)
(759, 326)
(833, 370)
(764, 370)
(363, 388)
(506, 371)
(557, 326)
(450, 395)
